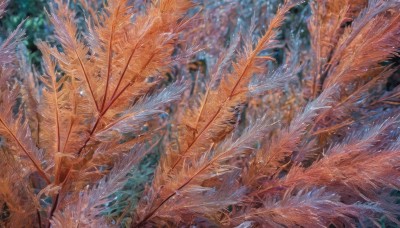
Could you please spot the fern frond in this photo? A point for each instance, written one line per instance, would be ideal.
(133, 119)
(268, 162)
(9, 46)
(359, 55)
(18, 134)
(74, 56)
(316, 207)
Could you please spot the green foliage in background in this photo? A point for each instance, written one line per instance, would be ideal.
(35, 24)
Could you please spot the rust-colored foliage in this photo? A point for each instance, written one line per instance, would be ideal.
(252, 138)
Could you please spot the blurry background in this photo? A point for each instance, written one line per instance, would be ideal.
(36, 24)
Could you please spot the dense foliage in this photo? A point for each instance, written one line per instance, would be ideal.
(233, 113)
